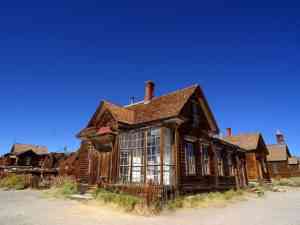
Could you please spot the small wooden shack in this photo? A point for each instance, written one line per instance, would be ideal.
(169, 141)
(256, 154)
(26, 155)
(278, 159)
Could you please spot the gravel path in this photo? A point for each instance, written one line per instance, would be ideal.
(30, 208)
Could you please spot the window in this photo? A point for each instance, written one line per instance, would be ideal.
(190, 162)
(220, 163)
(169, 166)
(132, 157)
(134, 150)
(125, 166)
(205, 159)
(153, 155)
(27, 161)
(230, 164)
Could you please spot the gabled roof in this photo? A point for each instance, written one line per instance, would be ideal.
(248, 141)
(18, 149)
(293, 161)
(278, 152)
(162, 107)
(119, 113)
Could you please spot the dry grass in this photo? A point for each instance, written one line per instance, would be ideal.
(288, 182)
(206, 200)
(63, 189)
(13, 182)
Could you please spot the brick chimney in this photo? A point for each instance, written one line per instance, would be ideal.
(228, 132)
(149, 91)
(280, 137)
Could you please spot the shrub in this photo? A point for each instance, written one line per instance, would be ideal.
(65, 188)
(122, 200)
(13, 181)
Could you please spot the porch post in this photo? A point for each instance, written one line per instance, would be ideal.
(162, 144)
(177, 150)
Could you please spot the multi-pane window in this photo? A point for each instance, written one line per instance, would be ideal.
(125, 166)
(140, 148)
(205, 159)
(169, 166)
(220, 163)
(190, 159)
(132, 157)
(153, 155)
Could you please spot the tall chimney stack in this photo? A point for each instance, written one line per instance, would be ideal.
(280, 137)
(149, 91)
(229, 132)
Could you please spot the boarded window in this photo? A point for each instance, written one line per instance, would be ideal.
(190, 160)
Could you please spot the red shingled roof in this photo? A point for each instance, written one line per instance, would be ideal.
(162, 107)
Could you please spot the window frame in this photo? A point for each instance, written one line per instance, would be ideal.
(190, 158)
(205, 159)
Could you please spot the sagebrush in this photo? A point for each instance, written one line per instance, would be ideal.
(13, 181)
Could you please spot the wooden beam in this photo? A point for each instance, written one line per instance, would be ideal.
(238, 186)
(215, 162)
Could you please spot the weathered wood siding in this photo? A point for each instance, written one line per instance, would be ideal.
(251, 164)
(279, 169)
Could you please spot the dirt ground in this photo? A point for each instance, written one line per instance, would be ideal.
(31, 208)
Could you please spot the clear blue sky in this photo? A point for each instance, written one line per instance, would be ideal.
(58, 59)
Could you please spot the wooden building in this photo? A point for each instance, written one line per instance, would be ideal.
(69, 166)
(53, 160)
(294, 166)
(256, 154)
(278, 158)
(26, 155)
(169, 141)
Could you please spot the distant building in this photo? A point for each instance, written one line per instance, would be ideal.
(278, 160)
(26, 155)
(256, 154)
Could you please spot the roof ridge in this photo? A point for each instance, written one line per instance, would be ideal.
(247, 133)
(167, 94)
(33, 145)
